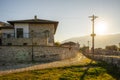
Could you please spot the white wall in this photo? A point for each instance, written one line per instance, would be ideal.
(25, 27)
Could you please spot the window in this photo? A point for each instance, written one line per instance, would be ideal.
(19, 32)
(8, 36)
(25, 44)
(9, 44)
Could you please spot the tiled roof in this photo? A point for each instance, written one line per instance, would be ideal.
(2, 22)
(4, 25)
(41, 21)
(33, 21)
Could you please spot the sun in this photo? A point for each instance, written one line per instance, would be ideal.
(101, 28)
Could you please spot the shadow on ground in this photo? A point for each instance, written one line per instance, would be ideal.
(13, 66)
(112, 70)
(85, 72)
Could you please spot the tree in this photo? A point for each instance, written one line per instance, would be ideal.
(84, 49)
(57, 44)
(111, 47)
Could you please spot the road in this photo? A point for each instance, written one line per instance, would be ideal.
(79, 59)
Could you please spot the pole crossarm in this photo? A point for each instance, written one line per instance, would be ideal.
(93, 17)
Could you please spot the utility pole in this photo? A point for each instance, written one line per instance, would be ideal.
(32, 45)
(88, 45)
(93, 17)
(119, 46)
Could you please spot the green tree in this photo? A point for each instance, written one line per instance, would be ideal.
(111, 47)
(57, 43)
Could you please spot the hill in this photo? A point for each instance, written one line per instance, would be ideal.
(100, 40)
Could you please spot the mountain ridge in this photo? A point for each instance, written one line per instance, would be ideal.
(100, 40)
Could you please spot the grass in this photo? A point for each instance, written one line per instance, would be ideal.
(89, 71)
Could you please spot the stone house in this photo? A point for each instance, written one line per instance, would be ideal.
(28, 32)
(3, 27)
(32, 40)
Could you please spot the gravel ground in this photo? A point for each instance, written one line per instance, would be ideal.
(6, 69)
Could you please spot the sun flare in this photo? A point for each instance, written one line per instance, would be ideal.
(101, 28)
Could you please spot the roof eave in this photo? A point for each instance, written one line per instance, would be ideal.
(55, 23)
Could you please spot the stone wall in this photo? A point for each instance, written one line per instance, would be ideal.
(107, 52)
(24, 41)
(111, 59)
(40, 53)
(39, 30)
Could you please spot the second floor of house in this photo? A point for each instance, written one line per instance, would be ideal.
(30, 28)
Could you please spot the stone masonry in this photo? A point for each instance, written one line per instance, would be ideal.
(24, 41)
(40, 53)
(39, 36)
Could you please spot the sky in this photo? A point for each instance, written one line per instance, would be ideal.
(71, 14)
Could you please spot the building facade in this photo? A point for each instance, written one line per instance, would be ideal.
(29, 32)
(32, 40)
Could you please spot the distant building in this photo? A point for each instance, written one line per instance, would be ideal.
(28, 32)
(70, 44)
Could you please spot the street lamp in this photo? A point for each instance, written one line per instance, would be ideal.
(93, 17)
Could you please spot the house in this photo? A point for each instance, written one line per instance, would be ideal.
(3, 24)
(4, 27)
(29, 32)
(70, 44)
(32, 40)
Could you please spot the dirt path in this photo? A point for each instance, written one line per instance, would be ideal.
(26, 67)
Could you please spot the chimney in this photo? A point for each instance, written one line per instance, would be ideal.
(35, 17)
